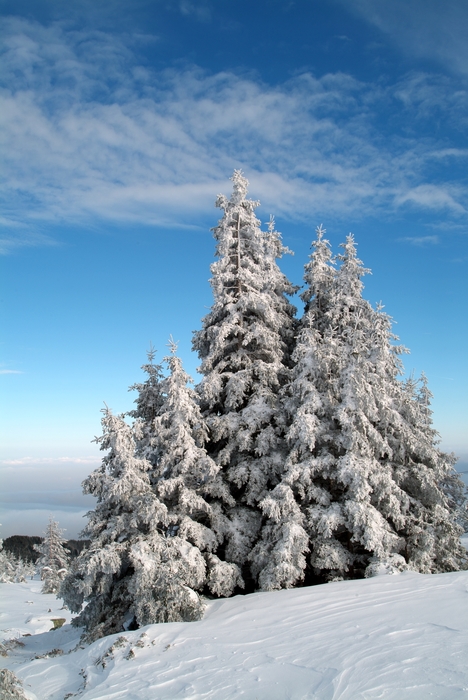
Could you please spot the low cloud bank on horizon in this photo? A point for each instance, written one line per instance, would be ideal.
(90, 135)
(33, 521)
(35, 488)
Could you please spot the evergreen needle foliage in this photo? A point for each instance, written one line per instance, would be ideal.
(302, 456)
(54, 561)
(14, 569)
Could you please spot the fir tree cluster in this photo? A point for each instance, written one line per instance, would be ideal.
(301, 456)
(14, 569)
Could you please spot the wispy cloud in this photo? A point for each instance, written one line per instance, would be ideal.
(421, 240)
(200, 10)
(450, 153)
(89, 135)
(432, 100)
(432, 197)
(10, 371)
(422, 28)
(49, 460)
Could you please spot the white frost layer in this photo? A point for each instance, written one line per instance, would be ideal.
(393, 637)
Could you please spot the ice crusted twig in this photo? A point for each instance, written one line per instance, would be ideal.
(11, 688)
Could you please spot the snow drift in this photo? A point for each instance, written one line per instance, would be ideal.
(394, 637)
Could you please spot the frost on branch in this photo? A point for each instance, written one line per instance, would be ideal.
(134, 572)
(54, 561)
(245, 348)
(301, 457)
(363, 463)
(14, 569)
(152, 532)
(11, 687)
(187, 479)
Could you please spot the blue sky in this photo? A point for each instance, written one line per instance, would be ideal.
(121, 123)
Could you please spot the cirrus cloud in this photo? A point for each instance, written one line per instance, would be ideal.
(90, 136)
(427, 29)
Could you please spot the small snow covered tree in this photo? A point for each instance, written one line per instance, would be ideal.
(24, 569)
(245, 347)
(152, 534)
(133, 573)
(54, 562)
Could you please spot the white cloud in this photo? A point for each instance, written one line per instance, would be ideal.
(10, 371)
(197, 9)
(424, 28)
(432, 197)
(420, 240)
(90, 135)
(450, 153)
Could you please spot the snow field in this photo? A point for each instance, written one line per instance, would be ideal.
(401, 637)
(24, 610)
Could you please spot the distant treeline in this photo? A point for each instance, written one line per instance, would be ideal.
(23, 546)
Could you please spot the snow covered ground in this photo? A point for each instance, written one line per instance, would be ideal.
(393, 637)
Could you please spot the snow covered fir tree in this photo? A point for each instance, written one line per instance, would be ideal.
(153, 541)
(363, 488)
(301, 457)
(14, 569)
(54, 561)
(245, 346)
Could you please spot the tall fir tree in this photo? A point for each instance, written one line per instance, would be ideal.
(391, 470)
(279, 558)
(54, 561)
(364, 485)
(140, 567)
(245, 349)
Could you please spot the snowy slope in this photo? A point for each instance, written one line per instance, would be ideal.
(393, 637)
